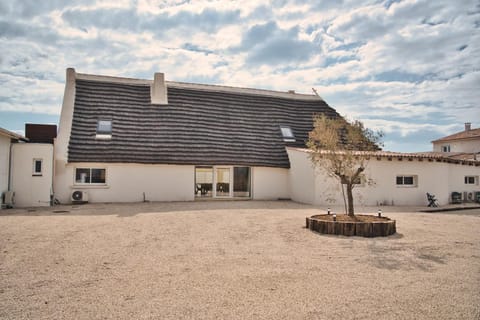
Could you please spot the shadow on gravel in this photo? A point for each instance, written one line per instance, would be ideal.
(132, 209)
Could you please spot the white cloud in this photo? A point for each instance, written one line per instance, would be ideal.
(410, 68)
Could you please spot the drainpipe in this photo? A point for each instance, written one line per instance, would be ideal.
(10, 169)
(52, 188)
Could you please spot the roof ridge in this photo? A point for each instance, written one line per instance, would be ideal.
(200, 86)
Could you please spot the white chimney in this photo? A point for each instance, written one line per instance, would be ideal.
(468, 126)
(158, 91)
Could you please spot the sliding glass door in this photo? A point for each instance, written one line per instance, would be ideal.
(222, 182)
(241, 182)
(203, 182)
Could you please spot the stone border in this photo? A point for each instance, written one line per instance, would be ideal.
(360, 229)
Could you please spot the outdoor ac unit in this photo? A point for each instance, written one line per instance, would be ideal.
(79, 196)
(9, 198)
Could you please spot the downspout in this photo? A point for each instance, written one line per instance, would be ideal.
(10, 169)
(52, 188)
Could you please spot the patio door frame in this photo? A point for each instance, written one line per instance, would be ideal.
(231, 182)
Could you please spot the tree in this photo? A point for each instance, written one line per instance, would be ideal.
(342, 148)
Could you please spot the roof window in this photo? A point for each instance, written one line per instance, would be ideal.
(104, 129)
(287, 134)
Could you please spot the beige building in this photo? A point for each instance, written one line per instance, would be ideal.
(467, 141)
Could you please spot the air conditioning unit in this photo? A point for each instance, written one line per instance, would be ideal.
(468, 196)
(8, 199)
(79, 197)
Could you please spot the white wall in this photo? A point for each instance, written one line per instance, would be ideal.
(302, 178)
(31, 190)
(128, 182)
(469, 146)
(4, 162)
(437, 178)
(270, 183)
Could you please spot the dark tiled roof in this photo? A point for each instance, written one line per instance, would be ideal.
(200, 127)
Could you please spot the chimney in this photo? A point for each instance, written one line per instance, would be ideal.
(158, 91)
(468, 126)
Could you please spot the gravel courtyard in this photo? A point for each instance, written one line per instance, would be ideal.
(233, 260)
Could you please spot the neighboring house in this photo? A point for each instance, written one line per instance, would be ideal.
(7, 139)
(467, 141)
(133, 140)
(26, 166)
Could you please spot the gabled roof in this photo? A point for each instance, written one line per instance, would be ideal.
(200, 125)
(13, 135)
(463, 135)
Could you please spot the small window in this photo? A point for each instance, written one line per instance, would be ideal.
(287, 134)
(90, 176)
(37, 167)
(406, 181)
(446, 148)
(471, 179)
(104, 129)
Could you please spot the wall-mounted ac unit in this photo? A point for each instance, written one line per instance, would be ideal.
(8, 199)
(79, 196)
(468, 196)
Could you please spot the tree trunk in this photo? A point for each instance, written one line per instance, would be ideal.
(351, 211)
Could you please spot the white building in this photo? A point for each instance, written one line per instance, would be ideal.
(26, 167)
(398, 179)
(467, 141)
(130, 140)
(7, 139)
(133, 140)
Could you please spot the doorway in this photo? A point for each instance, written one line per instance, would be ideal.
(222, 182)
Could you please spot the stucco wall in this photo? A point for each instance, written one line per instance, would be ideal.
(128, 182)
(302, 178)
(31, 190)
(437, 178)
(468, 146)
(4, 162)
(270, 183)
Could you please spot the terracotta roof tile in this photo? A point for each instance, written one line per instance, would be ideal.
(466, 134)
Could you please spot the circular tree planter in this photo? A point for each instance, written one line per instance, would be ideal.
(359, 225)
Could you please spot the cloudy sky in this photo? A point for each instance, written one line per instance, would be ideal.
(409, 68)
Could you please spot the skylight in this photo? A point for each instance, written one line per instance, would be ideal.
(287, 134)
(104, 129)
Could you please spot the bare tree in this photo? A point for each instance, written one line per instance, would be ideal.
(342, 149)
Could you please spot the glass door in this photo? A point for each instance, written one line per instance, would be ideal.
(222, 182)
(203, 182)
(241, 181)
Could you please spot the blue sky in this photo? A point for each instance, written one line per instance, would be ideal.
(408, 68)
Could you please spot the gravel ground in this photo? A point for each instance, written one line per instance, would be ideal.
(233, 260)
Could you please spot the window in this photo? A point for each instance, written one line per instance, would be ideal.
(37, 167)
(446, 148)
(407, 181)
(287, 134)
(471, 179)
(104, 129)
(90, 176)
